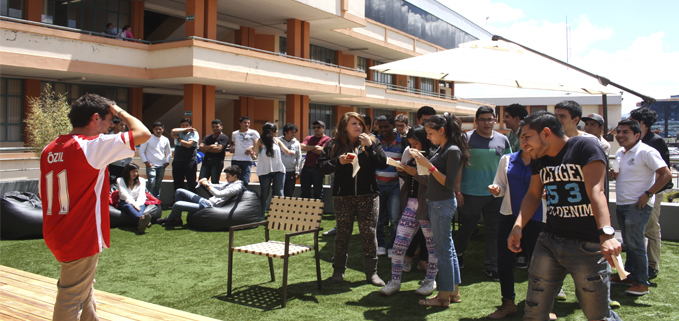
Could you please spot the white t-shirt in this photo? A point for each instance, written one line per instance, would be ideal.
(637, 173)
(156, 151)
(241, 141)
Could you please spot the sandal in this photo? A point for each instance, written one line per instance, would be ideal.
(434, 302)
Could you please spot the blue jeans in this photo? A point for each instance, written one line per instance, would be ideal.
(390, 211)
(553, 258)
(309, 176)
(186, 201)
(265, 186)
(633, 223)
(470, 213)
(154, 176)
(212, 169)
(441, 216)
(505, 257)
(244, 170)
(130, 210)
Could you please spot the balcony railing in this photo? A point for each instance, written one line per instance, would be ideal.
(412, 90)
(99, 34)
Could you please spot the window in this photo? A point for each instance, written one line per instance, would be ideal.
(362, 65)
(380, 77)
(12, 8)
(427, 85)
(413, 119)
(323, 113)
(322, 54)
(536, 108)
(74, 91)
(283, 45)
(11, 110)
(381, 112)
(92, 15)
(281, 115)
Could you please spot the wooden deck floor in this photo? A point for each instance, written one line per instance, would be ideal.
(27, 296)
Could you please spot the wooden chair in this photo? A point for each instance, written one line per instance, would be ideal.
(297, 215)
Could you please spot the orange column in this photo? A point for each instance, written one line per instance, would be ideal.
(371, 63)
(418, 83)
(340, 111)
(193, 103)
(266, 42)
(135, 107)
(452, 88)
(306, 48)
(297, 112)
(195, 27)
(31, 90)
(137, 19)
(294, 41)
(208, 108)
(244, 106)
(210, 23)
(33, 10)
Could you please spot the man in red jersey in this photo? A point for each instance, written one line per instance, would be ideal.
(74, 189)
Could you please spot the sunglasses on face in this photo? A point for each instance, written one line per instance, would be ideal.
(316, 127)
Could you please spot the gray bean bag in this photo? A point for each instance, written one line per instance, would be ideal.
(20, 216)
(118, 219)
(245, 208)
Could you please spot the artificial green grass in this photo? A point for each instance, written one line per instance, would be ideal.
(187, 270)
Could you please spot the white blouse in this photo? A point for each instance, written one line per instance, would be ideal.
(137, 196)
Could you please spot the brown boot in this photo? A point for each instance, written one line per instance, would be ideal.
(508, 307)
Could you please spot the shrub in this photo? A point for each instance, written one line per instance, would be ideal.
(47, 119)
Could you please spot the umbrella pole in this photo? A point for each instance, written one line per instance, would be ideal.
(604, 103)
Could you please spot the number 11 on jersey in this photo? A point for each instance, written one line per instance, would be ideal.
(63, 191)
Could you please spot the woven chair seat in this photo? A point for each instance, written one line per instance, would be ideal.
(275, 249)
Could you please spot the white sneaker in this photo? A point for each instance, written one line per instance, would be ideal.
(391, 288)
(407, 265)
(381, 251)
(561, 296)
(428, 287)
(389, 253)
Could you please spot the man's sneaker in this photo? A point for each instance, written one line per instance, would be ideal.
(561, 296)
(616, 280)
(493, 275)
(521, 262)
(331, 232)
(390, 253)
(614, 304)
(407, 265)
(460, 261)
(161, 220)
(391, 288)
(428, 287)
(144, 221)
(652, 273)
(173, 223)
(381, 251)
(637, 289)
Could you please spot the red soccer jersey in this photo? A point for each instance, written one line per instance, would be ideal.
(74, 191)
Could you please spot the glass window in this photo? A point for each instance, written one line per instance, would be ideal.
(382, 112)
(427, 85)
(536, 108)
(412, 20)
(322, 54)
(325, 113)
(12, 8)
(412, 121)
(283, 45)
(380, 77)
(11, 110)
(362, 64)
(74, 91)
(87, 15)
(281, 114)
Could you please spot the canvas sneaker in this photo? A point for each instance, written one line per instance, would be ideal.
(381, 251)
(407, 265)
(561, 296)
(391, 288)
(493, 275)
(616, 280)
(428, 287)
(521, 262)
(637, 289)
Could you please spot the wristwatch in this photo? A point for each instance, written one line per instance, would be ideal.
(649, 194)
(607, 230)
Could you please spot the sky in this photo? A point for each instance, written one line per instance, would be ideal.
(632, 43)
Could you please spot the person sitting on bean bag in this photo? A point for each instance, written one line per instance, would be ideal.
(191, 202)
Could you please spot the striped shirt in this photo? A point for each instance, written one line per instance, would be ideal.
(394, 150)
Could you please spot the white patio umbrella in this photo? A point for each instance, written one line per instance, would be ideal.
(494, 63)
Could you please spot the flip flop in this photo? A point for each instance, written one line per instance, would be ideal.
(428, 303)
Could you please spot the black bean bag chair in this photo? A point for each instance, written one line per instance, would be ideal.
(118, 219)
(20, 215)
(243, 209)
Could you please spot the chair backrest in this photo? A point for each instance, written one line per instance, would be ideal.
(295, 214)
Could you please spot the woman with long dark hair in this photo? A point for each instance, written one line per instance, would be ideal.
(354, 196)
(444, 166)
(270, 165)
(132, 195)
(415, 215)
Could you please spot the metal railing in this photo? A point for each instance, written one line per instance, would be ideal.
(101, 34)
(412, 90)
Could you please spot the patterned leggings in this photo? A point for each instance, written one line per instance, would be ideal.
(366, 209)
(407, 227)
